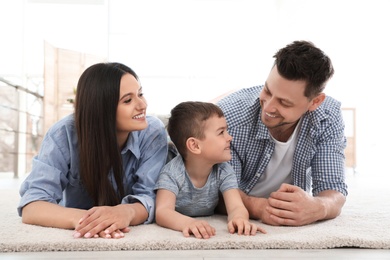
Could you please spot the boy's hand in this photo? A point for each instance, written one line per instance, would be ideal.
(200, 229)
(244, 227)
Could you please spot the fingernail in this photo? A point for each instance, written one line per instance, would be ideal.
(87, 235)
(76, 235)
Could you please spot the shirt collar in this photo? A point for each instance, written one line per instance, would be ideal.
(262, 130)
(132, 145)
(316, 116)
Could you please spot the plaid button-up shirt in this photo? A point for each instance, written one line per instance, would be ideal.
(318, 161)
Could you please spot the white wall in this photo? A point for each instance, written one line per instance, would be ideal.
(199, 49)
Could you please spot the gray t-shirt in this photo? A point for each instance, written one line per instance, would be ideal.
(190, 200)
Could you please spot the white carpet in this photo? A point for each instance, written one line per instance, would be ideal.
(364, 223)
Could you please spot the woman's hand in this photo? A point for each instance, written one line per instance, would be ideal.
(119, 233)
(105, 221)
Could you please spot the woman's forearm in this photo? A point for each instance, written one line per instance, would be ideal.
(47, 214)
(137, 212)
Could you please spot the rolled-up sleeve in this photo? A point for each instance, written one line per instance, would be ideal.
(47, 178)
(152, 153)
(328, 164)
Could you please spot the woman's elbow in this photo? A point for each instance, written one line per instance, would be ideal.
(27, 215)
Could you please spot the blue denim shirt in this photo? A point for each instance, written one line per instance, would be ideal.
(55, 174)
(318, 161)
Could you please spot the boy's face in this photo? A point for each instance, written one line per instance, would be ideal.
(215, 146)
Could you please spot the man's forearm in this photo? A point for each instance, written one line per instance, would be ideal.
(332, 201)
(254, 205)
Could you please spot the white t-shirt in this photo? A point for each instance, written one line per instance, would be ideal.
(278, 170)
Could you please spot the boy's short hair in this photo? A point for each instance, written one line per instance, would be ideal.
(187, 120)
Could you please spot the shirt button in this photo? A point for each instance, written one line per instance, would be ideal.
(257, 174)
(268, 155)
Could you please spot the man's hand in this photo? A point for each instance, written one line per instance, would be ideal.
(292, 206)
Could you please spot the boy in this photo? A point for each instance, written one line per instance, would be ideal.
(189, 184)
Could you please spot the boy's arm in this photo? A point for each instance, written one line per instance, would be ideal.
(238, 216)
(235, 208)
(167, 216)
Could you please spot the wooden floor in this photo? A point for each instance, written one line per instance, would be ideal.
(349, 254)
(342, 253)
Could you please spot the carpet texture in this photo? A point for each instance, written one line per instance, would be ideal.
(364, 223)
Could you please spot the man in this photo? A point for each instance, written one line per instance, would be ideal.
(288, 140)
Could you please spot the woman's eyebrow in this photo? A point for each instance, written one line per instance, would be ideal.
(126, 95)
(130, 93)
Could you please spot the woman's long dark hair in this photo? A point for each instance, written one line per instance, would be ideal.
(96, 104)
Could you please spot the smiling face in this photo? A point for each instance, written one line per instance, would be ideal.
(215, 145)
(131, 111)
(283, 102)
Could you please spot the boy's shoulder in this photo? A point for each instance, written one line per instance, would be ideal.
(174, 166)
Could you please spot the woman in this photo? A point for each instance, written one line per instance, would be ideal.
(97, 168)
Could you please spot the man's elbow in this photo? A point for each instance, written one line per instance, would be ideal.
(334, 202)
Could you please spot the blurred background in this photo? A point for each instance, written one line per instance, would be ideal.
(187, 50)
